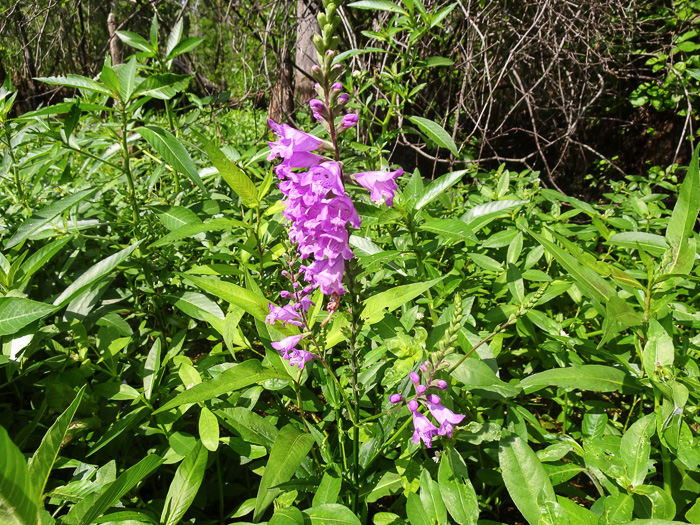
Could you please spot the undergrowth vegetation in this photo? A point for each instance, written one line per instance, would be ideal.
(144, 244)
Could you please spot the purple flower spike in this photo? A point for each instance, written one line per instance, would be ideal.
(381, 184)
(415, 378)
(349, 120)
(445, 417)
(424, 429)
(396, 398)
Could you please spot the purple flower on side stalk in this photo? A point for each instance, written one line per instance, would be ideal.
(443, 415)
(349, 120)
(381, 184)
(423, 429)
(299, 358)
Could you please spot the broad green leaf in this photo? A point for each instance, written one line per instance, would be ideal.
(415, 512)
(482, 214)
(126, 73)
(232, 379)
(18, 501)
(389, 483)
(486, 262)
(40, 257)
(252, 427)
(172, 151)
(162, 87)
(635, 448)
(654, 244)
(209, 429)
(331, 514)
(196, 305)
(45, 215)
(250, 302)
(190, 230)
(175, 217)
(434, 132)
(286, 516)
(121, 486)
(456, 488)
(135, 40)
(129, 421)
(439, 186)
(18, 312)
(289, 450)
(78, 81)
(234, 176)
(524, 477)
(150, 369)
(378, 5)
(432, 499)
(174, 37)
(617, 509)
(328, 489)
(44, 457)
(95, 273)
(619, 316)
(452, 229)
(658, 350)
(475, 374)
(188, 44)
(685, 212)
(389, 300)
(596, 378)
(185, 484)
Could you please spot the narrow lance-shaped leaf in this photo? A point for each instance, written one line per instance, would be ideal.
(172, 151)
(687, 207)
(42, 461)
(289, 450)
(392, 299)
(77, 81)
(18, 312)
(439, 186)
(18, 501)
(183, 488)
(436, 133)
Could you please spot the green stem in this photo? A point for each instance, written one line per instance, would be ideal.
(18, 181)
(127, 169)
(421, 266)
(486, 339)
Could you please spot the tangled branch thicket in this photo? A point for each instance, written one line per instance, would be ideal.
(544, 84)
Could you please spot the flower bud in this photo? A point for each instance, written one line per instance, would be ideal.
(413, 405)
(434, 399)
(440, 384)
(343, 99)
(396, 398)
(349, 120)
(415, 378)
(285, 294)
(316, 105)
(337, 86)
(421, 389)
(285, 273)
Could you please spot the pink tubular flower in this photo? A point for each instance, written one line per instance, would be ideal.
(299, 358)
(294, 146)
(423, 429)
(443, 415)
(287, 344)
(381, 184)
(286, 314)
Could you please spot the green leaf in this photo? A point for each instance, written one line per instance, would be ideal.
(289, 450)
(525, 478)
(439, 186)
(45, 215)
(44, 457)
(18, 312)
(126, 73)
(174, 37)
(635, 448)
(331, 514)
(482, 214)
(378, 5)
(232, 379)
(150, 369)
(132, 419)
(595, 378)
(162, 87)
(287, 516)
(209, 429)
(617, 509)
(188, 44)
(415, 512)
(328, 489)
(175, 217)
(234, 176)
(185, 484)
(18, 501)
(121, 486)
(654, 244)
(190, 230)
(389, 300)
(78, 81)
(196, 305)
(135, 40)
(475, 374)
(94, 274)
(453, 229)
(456, 488)
(172, 151)
(685, 212)
(254, 304)
(435, 132)
(432, 499)
(40, 257)
(658, 350)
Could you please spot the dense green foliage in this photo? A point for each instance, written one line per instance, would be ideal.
(142, 240)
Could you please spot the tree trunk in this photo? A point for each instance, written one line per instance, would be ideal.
(282, 99)
(305, 57)
(114, 50)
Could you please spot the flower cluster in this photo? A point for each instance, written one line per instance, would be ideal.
(424, 429)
